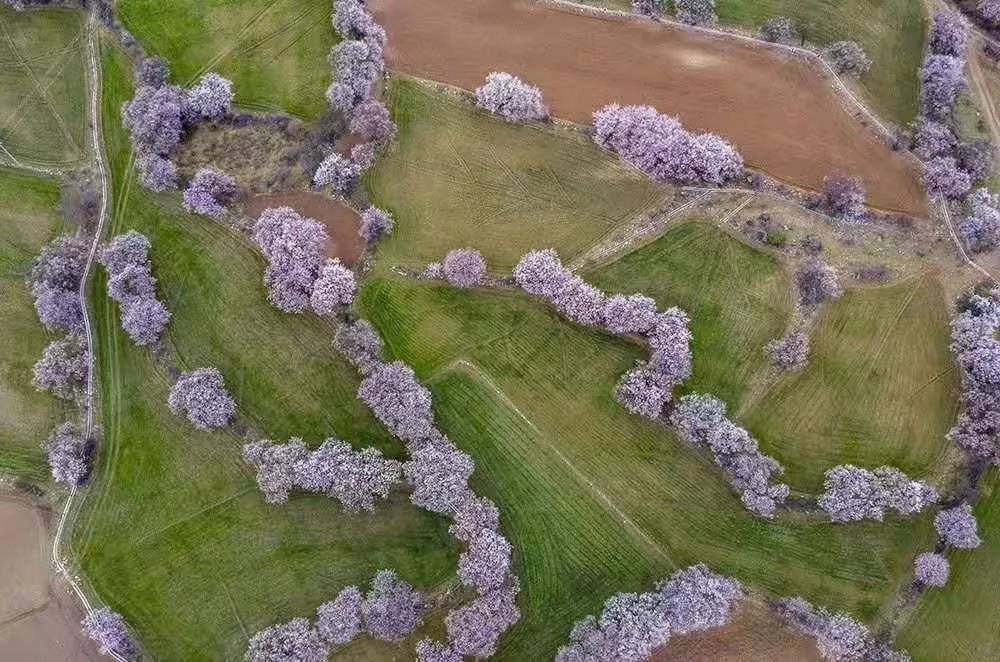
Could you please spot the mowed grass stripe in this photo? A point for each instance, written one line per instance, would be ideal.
(460, 177)
(880, 387)
(174, 533)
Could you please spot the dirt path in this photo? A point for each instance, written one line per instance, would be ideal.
(38, 619)
(783, 115)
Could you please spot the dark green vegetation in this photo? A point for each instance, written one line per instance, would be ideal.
(962, 621)
(29, 218)
(274, 51)
(880, 387)
(459, 177)
(174, 533)
(595, 500)
(42, 87)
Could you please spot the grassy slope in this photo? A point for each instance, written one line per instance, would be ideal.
(174, 532)
(962, 620)
(738, 299)
(890, 31)
(880, 387)
(274, 51)
(560, 451)
(458, 177)
(28, 219)
(42, 119)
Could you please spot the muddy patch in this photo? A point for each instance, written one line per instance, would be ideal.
(39, 620)
(753, 635)
(341, 221)
(779, 111)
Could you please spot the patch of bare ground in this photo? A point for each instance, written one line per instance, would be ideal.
(753, 635)
(779, 110)
(38, 619)
(341, 221)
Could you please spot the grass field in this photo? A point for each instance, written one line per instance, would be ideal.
(880, 387)
(274, 51)
(890, 31)
(597, 501)
(738, 299)
(29, 218)
(42, 87)
(174, 533)
(962, 620)
(458, 177)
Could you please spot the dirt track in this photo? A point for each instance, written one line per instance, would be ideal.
(340, 220)
(779, 111)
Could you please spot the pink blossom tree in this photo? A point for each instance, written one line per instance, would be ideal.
(485, 564)
(696, 12)
(464, 267)
(846, 197)
(209, 192)
(392, 608)
(439, 474)
(931, 569)
(644, 392)
(295, 640)
(980, 225)
(334, 289)
(651, 8)
(144, 320)
(511, 98)
(375, 224)
(339, 621)
(69, 454)
(201, 395)
(371, 120)
(817, 282)
(475, 629)
(957, 527)
(941, 77)
(847, 57)
(399, 401)
(949, 34)
(109, 631)
(294, 247)
(944, 179)
(790, 352)
(62, 370)
(209, 99)
(360, 344)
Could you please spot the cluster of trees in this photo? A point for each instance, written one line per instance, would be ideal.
(109, 631)
(817, 282)
(438, 473)
(660, 147)
(159, 113)
(209, 192)
(701, 421)
(389, 612)
(69, 453)
(131, 284)
(633, 625)
(298, 275)
(839, 637)
(845, 196)
(201, 395)
(977, 349)
(354, 478)
(358, 62)
(511, 98)
(790, 352)
(54, 280)
(645, 389)
(852, 494)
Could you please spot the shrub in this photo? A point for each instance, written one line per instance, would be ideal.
(334, 288)
(790, 352)
(209, 193)
(957, 527)
(392, 609)
(202, 396)
(941, 77)
(511, 98)
(949, 34)
(464, 267)
(375, 223)
(69, 454)
(848, 58)
(944, 179)
(776, 238)
(846, 197)
(779, 30)
(295, 640)
(62, 370)
(931, 569)
(108, 630)
(210, 99)
(817, 282)
(696, 12)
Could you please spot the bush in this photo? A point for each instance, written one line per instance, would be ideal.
(776, 238)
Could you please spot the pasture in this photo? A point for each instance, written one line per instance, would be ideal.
(42, 87)
(274, 51)
(29, 218)
(595, 500)
(457, 176)
(962, 621)
(174, 533)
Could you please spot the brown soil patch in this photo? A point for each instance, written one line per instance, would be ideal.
(752, 636)
(38, 620)
(779, 111)
(341, 221)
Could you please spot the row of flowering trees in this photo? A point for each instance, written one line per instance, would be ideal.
(839, 637)
(132, 285)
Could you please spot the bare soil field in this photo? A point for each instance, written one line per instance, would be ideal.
(780, 111)
(753, 635)
(340, 220)
(38, 621)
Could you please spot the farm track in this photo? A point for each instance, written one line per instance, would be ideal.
(619, 60)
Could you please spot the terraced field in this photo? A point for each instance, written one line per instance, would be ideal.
(459, 177)
(42, 87)
(274, 51)
(174, 533)
(29, 218)
(597, 501)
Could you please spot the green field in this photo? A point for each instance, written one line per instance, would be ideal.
(29, 218)
(174, 533)
(890, 31)
(458, 177)
(274, 51)
(962, 620)
(738, 299)
(42, 87)
(880, 387)
(595, 500)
